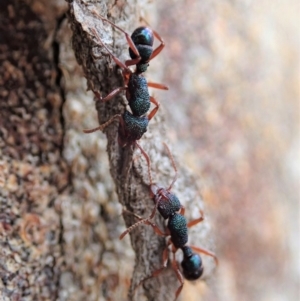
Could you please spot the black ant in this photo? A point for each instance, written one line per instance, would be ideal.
(133, 126)
(170, 208)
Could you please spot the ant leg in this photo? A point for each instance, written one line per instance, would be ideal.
(179, 276)
(143, 221)
(174, 166)
(122, 133)
(97, 94)
(127, 36)
(132, 62)
(129, 229)
(122, 127)
(147, 159)
(206, 252)
(157, 272)
(157, 86)
(154, 111)
(132, 213)
(165, 261)
(197, 249)
(117, 61)
(104, 125)
(196, 221)
(154, 101)
(182, 210)
(158, 49)
(112, 94)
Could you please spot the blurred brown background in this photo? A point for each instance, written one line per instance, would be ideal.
(233, 112)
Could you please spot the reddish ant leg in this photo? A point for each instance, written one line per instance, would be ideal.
(158, 271)
(147, 159)
(174, 166)
(140, 222)
(132, 62)
(178, 275)
(206, 252)
(104, 125)
(112, 94)
(157, 86)
(165, 261)
(127, 36)
(97, 95)
(154, 111)
(197, 249)
(117, 61)
(182, 210)
(158, 49)
(196, 221)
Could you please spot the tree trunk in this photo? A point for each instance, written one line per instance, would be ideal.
(60, 219)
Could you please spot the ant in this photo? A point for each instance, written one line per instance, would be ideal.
(169, 206)
(133, 125)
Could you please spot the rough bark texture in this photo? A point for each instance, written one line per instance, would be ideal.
(32, 171)
(232, 117)
(60, 220)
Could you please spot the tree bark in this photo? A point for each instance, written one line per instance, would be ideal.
(33, 173)
(60, 220)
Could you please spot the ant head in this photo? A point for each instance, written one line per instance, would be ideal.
(191, 264)
(143, 36)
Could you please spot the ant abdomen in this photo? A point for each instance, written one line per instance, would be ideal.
(143, 40)
(191, 264)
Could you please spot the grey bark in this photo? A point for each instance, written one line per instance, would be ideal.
(32, 171)
(59, 217)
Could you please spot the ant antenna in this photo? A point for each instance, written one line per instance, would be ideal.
(94, 32)
(129, 40)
